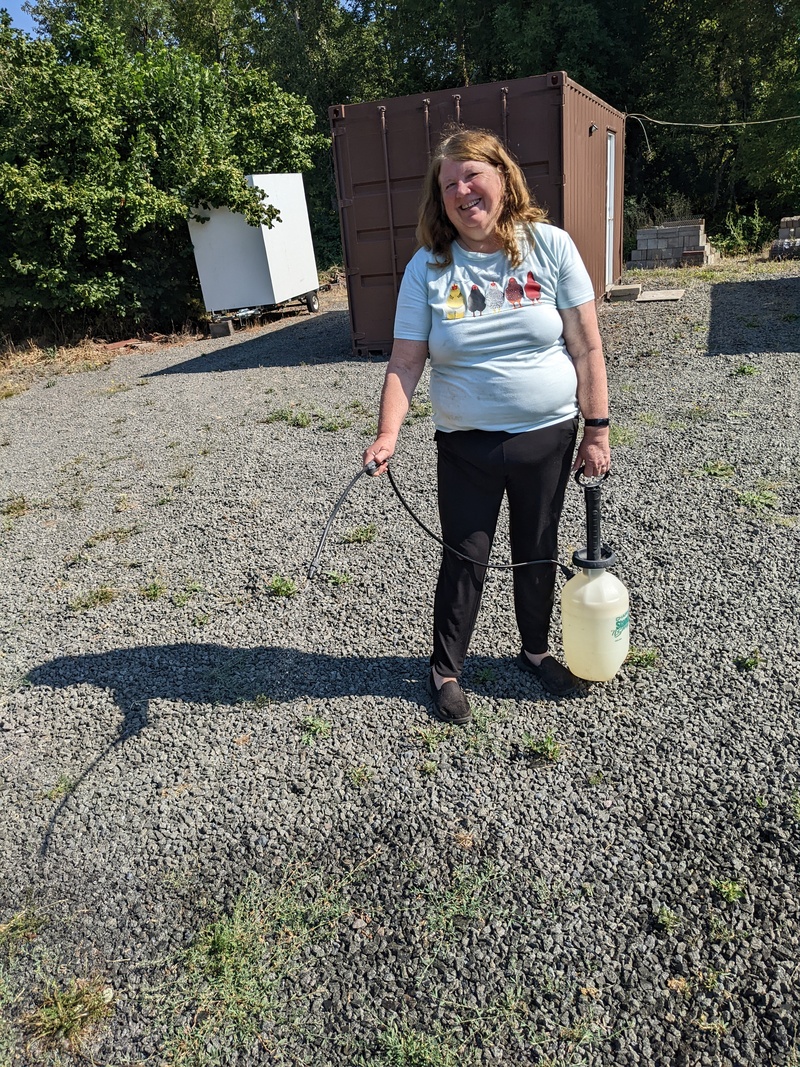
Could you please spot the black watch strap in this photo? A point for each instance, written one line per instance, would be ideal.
(597, 422)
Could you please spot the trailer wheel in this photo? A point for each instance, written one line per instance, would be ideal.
(312, 302)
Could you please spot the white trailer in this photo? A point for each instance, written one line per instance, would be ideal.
(246, 269)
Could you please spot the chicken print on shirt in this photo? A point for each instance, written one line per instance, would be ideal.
(514, 293)
(476, 301)
(533, 290)
(494, 297)
(455, 303)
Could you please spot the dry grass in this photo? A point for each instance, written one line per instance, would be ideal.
(22, 365)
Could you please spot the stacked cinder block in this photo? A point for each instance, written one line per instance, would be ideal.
(681, 242)
(788, 244)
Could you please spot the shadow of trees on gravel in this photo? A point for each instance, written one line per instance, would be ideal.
(321, 339)
(762, 315)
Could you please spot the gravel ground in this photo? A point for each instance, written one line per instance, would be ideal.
(229, 813)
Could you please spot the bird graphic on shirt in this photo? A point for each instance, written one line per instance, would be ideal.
(533, 290)
(514, 293)
(476, 301)
(494, 297)
(455, 303)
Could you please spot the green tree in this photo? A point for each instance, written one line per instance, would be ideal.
(103, 154)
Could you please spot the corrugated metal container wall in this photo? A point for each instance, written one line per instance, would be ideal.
(593, 146)
(381, 151)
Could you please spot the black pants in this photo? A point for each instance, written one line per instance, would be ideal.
(475, 469)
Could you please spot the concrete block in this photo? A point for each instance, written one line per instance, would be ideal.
(223, 328)
(623, 292)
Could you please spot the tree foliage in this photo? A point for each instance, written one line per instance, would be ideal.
(103, 155)
(125, 113)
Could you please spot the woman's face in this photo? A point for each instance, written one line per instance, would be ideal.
(472, 193)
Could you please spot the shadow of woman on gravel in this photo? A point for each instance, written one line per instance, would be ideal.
(320, 340)
(209, 674)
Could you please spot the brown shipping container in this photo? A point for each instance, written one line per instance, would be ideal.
(569, 144)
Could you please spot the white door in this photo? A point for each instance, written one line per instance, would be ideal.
(611, 139)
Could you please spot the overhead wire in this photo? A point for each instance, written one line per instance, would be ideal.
(707, 125)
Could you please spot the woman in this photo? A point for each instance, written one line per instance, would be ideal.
(504, 306)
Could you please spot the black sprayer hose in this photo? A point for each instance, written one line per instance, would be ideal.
(370, 469)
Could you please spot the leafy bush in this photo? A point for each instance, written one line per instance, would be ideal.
(744, 233)
(105, 154)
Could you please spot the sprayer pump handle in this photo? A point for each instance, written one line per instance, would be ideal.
(589, 483)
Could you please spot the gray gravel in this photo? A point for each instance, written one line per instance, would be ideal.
(197, 741)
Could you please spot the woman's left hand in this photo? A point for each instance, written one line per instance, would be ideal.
(594, 453)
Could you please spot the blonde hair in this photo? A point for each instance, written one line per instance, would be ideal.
(436, 232)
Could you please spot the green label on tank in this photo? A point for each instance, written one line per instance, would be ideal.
(622, 624)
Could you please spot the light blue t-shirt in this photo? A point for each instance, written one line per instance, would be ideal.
(498, 359)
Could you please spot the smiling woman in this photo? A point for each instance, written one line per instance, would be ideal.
(473, 198)
(502, 303)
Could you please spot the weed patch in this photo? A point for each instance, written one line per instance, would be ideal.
(717, 468)
(63, 787)
(621, 436)
(19, 930)
(154, 591)
(361, 535)
(15, 507)
(544, 749)
(237, 970)
(757, 500)
(95, 598)
(280, 586)
(642, 657)
(748, 662)
(315, 728)
(728, 888)
(65, 1016)
(463, 901)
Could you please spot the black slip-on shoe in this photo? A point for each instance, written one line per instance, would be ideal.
(554, 677)
(449, 703)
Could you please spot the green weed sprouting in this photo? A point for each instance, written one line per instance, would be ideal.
(19, 930)
(748, 662)
(63, 787)
(15, 507)
(153, 591)
(280, 586)
(238, 968)
(718, 468)
(544, 748)
(642, 657)
(300, 419)
(667, 920)
(315, 728)
(337, 577)
(403, 1046)
(464, 899)
(621, 436)
(65, 1016)
(758, 500)
(361, 535)
(728, 888)
(360, 776)
(93, 599)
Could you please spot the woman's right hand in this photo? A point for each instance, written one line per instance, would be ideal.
(380, 452)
